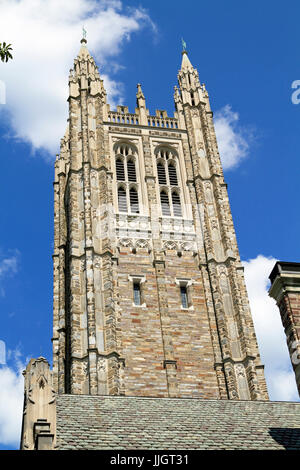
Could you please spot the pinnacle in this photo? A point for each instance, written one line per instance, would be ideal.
(185, 64)
(84, 52)
(139, 93)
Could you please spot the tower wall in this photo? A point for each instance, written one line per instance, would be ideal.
(191, 332)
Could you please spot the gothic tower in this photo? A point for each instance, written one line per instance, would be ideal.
(149, 292)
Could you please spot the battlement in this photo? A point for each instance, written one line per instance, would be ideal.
(160, 119)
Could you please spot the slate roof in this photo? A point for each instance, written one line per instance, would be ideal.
(114, 422)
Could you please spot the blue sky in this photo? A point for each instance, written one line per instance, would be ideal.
(245, 53)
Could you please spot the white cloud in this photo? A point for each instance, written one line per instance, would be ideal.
(11, 402)
(45, 35)
(233, 140)
(9, 265)
(269, 330)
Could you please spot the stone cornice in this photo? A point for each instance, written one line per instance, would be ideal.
(285, 283)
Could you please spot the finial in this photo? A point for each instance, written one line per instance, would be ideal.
(139, 93)
(83, 40)
(183, 45)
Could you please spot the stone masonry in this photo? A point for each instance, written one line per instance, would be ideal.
(285, 289)
(149, 291)
(103, 343)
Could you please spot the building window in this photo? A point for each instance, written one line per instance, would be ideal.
(131, 170)
(126, 171)
(122, 199)
(185, 292)
(165, 204)
(137, 293)
(184, 297)
(172, 175)
(161, 173)
(134, 201)
(167, 176)
(120, 169)
(176, 204)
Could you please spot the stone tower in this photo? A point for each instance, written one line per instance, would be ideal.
(149, 292)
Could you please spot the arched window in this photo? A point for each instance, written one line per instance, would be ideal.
(173, 175)
(126, 171)
(176, 204)
(161, 172)
(168, 177)
(131, 170)
(165, 204)
(122, 199)
(120, 169)
(134, 201)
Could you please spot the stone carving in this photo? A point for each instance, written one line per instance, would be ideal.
(142, 243)
(170, 245)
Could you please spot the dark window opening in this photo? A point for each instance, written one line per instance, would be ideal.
(173, 175)
(176, 205)
(184, 297)
(122, 202)
(161, 173)
(137, 293)
(131, 170)
(120, 170)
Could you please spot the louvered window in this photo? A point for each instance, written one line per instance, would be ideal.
(131, 171)
(172, 175)
(122, 201)
(165, 205)
(120, 170)
(176, 205)
(126, 171)
(134, 201)
(161, 173)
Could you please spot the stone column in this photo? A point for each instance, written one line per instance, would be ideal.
(285, 289)
(39, 415)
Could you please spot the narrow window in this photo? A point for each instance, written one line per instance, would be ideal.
(184, 297)
(161, 173)
(120, 170)
(165, 205)
(122, 202)
(134, 201)
(192, 98)
(176, 205)
(137, 293)
(173, 175)
(131, 170)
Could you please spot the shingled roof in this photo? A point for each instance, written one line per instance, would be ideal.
(115, 422)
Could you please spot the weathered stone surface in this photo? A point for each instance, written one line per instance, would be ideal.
(207, 350)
